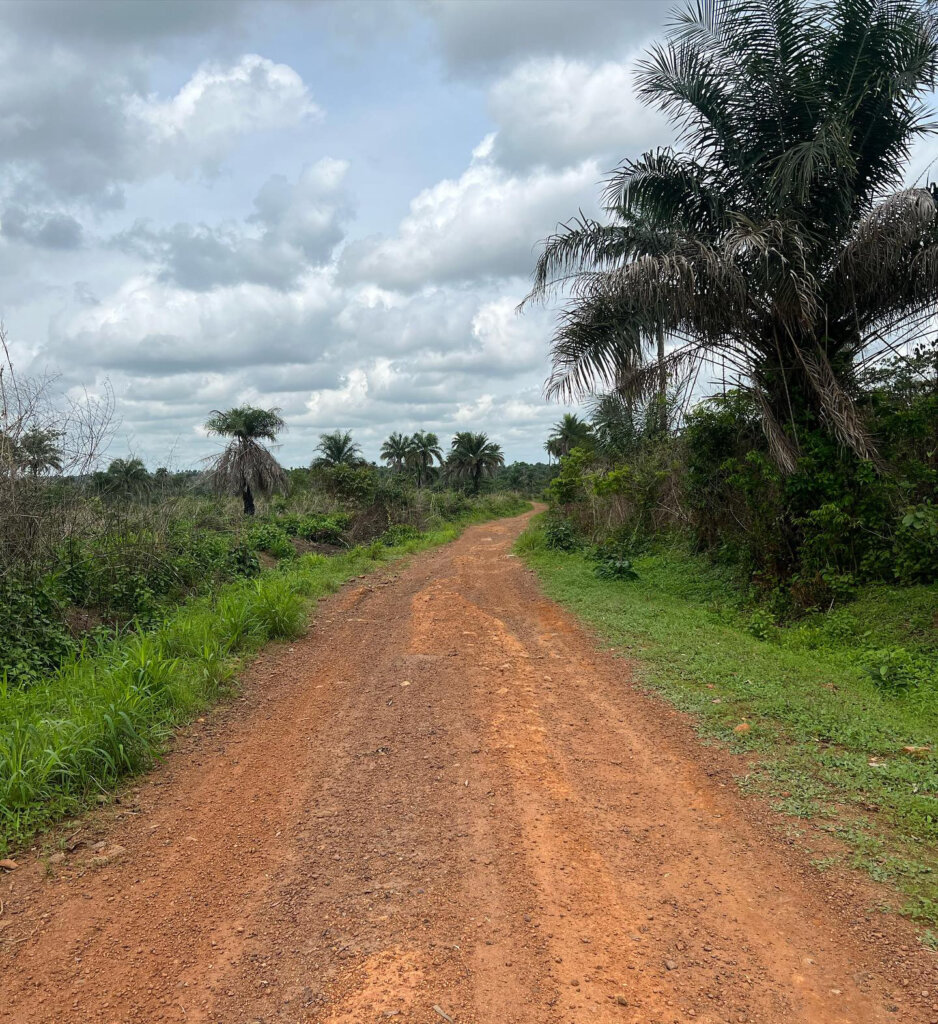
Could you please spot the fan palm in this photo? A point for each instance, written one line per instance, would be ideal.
(774, 244)
(424, 451)
(472, 457)
(569, 433)
(338, 449)
(395, 450)
(246, 467)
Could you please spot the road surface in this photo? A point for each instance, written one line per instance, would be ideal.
(445, 803)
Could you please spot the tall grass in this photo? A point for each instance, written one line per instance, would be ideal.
(109, 709)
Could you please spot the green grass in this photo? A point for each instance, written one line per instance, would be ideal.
(831, 700)
(109, 710)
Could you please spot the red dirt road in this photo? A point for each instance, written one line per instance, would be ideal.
(444, 804)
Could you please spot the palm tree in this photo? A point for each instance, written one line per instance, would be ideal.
(424, 450)
(128, 477)
(338, 449)
(38, 452)
(774, 244)
(571, 432)
(395, 450)
(246, 467)
(472, 457)
(552, 447)
(614, 424)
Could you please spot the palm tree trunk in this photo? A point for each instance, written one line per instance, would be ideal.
(248, 499)
(662, 384)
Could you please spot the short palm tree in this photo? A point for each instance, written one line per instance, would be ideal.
(38, 451)
(246, 467)
(472, 457)
(774, 243)
(424, 451)
(338, 449)
(569, 433)
(395, 450)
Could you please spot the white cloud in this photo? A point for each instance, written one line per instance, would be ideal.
(294, 226)
(483, 225)
(556, 112)
(196, 128)
(74, 132)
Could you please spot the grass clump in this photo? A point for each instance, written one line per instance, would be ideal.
(842, 705)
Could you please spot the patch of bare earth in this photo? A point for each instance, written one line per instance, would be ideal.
(443, 804)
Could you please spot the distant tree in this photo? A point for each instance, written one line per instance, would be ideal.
(395, 450)
(553, 449)
(38, 452)
(127, 477)
(246, 466)
(571, 432)
(338, 449)
(424, 451)
(472, 457)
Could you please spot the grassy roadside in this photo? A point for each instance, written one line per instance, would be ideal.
(108, 711)
(835, 705)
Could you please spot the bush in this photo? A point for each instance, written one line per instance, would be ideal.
(916, 544)
(272, 539)
(559, 535)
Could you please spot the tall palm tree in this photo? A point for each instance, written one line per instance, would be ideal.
(569, 433)
(246, 467)
(472, 457)
(774, 244)
(395, 450)
(338, 449)
(424, 451)
(38, 451)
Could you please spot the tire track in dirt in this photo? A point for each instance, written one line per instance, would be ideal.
(445, 798)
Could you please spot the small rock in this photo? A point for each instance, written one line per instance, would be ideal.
(115, 852)
(575, 982)
(8, 865)
(670, 965)
(622, 1001)
(57, 858)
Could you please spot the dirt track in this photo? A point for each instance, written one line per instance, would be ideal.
(445, 802)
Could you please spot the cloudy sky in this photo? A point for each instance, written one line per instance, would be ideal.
(328, 207)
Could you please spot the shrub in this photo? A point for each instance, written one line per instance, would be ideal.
(272, 539)
(615, 568)
(559, 535)
(916, 544)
